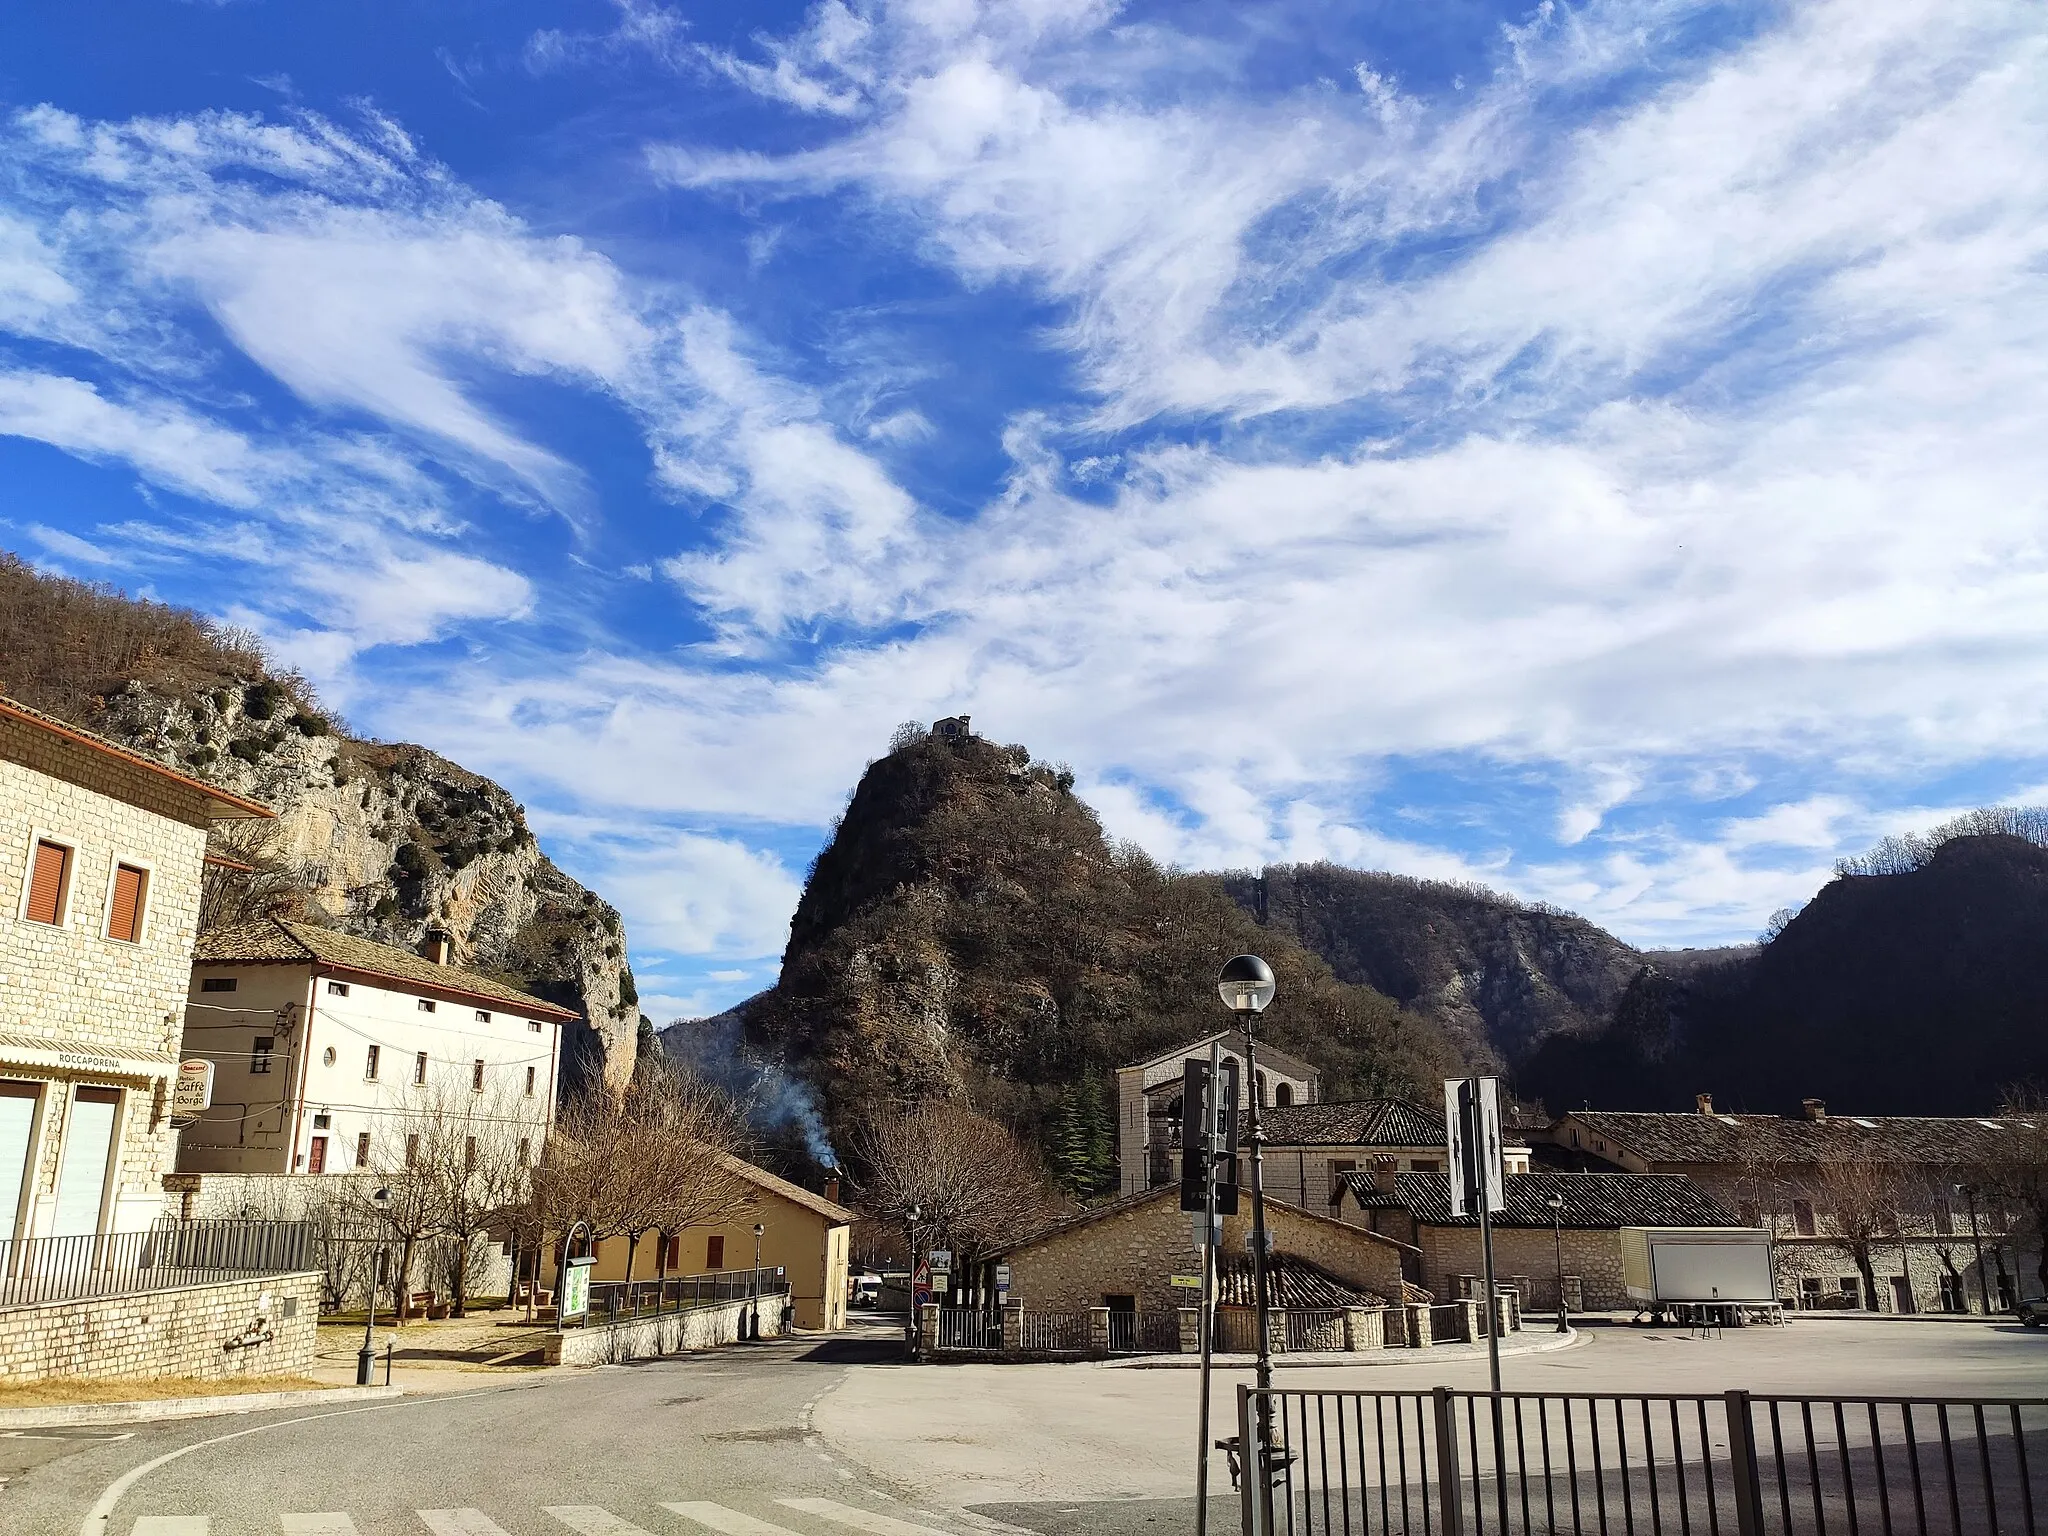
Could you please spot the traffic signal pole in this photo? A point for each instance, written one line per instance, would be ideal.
(1211, 1103)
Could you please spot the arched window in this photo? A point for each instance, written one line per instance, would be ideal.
(1264, 1099)
(1283, 1094)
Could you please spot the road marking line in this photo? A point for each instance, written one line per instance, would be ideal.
(173, 1525)
(460, 1522)
(332, 1523)
(730, 1521)
(859, 1519)
(593, 1521)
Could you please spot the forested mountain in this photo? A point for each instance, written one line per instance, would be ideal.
(968, 929)
(380, 839)
(1913, 983)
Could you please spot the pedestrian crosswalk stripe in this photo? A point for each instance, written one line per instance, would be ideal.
(593, 1521)
(173, 1525)
(460, 1522)
(859, 1519)
(317, 1525)
(729, 1521)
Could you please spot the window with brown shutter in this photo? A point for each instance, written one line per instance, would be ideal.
(714, 1252)
(46, 882)
(362, 1149)
(124, 918)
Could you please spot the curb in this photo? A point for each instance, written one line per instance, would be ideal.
(72, 1415)
(1339, 1358)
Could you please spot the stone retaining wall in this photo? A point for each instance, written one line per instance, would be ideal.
(671, 1333)
(257, 1327)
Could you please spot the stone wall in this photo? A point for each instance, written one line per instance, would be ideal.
(1134, 1252)
(257, 1327)
(673, 1333)
(101, 1001)
(1527, 1252)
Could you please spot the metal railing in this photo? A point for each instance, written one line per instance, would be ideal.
(1448, 1463)
(1052, 1333)
(1144, 1333)
(1323, 1329)
(617, 1301)
(170, 1253)
(970, 1328)
(1237, 1331)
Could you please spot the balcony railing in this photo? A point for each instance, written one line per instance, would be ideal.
(172, 1253)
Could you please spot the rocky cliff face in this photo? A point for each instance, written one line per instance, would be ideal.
(387, 841)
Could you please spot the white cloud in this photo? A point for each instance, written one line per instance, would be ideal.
(165, 443)
(693, 895)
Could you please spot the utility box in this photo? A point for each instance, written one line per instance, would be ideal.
(1661, 1265)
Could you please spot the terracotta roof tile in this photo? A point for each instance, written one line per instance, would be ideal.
(1718, 1138)
(1592, 1201)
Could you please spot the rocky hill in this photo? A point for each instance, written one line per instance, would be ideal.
(969, 930)
(1500, 976)
(382, 840)
(1911, 986)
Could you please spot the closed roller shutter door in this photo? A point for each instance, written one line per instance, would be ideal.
(125, 922)
(82, 1175)
(17, 1122)
(46, 882)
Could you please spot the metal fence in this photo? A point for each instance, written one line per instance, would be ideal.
(1315, 1329)
(1448, 1463)
(1144, 1333)
(1237, 1331)
(620, 1300)
(170, 1253)
(970, 1328)
(1052, 1333)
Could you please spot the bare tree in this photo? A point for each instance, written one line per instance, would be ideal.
(1862, 1198)
(469, 1152)
(249, 875)
(972, 1183)
(2015, 1170)
(412, 1211)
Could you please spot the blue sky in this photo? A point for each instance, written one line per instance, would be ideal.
(1594, 450)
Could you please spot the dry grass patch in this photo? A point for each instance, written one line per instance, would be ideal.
(59, 1391)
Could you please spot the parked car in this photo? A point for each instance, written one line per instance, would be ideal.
(2033, 1311)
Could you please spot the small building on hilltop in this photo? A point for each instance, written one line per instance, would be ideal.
(1148, 1107)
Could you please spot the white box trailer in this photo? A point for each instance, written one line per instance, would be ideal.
(1661, 1266)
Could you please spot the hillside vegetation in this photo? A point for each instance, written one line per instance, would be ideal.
(380, 839)
(968, 931)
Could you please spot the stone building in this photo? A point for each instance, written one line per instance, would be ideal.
(100, 862)
(1148, 1107)
(1124, 1255)
(1902, 1188)
(1416, 1209)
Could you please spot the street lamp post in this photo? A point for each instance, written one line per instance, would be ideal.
(1246, 987)
(756, 1286)
(367, 1355)
(1969, 1192)
(1556, 1204)
(915, 1322)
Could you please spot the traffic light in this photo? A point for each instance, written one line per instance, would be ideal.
(1206, 1103)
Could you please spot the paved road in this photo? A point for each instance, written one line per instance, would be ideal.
(809, 1438)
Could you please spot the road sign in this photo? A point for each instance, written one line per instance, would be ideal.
(1185, 1282)
(193, 1089)
(1213, 1238)
(1206, 1104)
(1472, 1132)
(941, 1258)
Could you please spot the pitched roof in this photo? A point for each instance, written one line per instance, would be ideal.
(221, 804)
(1592, 1201)
(1093, 1214)
(1718, 1138)
(273, 941)
(1353, 1123)
(833, 1212)
(1291, 1282)
(1268, 1055)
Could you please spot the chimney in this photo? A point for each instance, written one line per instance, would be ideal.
(438, 946)
(1816, 1109)
(832, 1189)
(1383, 1171)
(1703, 1102)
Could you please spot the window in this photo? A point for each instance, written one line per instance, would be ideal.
(370, 1062)
(469, 1153)
(259, 1053)
(49, 883)
(483, 1016)
(426, 1005)
(1809, 1291)
(529, 1082)
(1802, 1217)
(127, 902)
(476, 1076)
(714, 1251)
(1283, 1095)
(412, 1150)
(1952, 1294)
(1852, 1290)
(1426, 1165)
(1944, 1219)
(419, 1067)
(533, 1025)
(525, 1151)
(1260, 1081)
(217, 984)
(317, 1163)
(362, 1149)
(337, 989)
(323, 1122)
